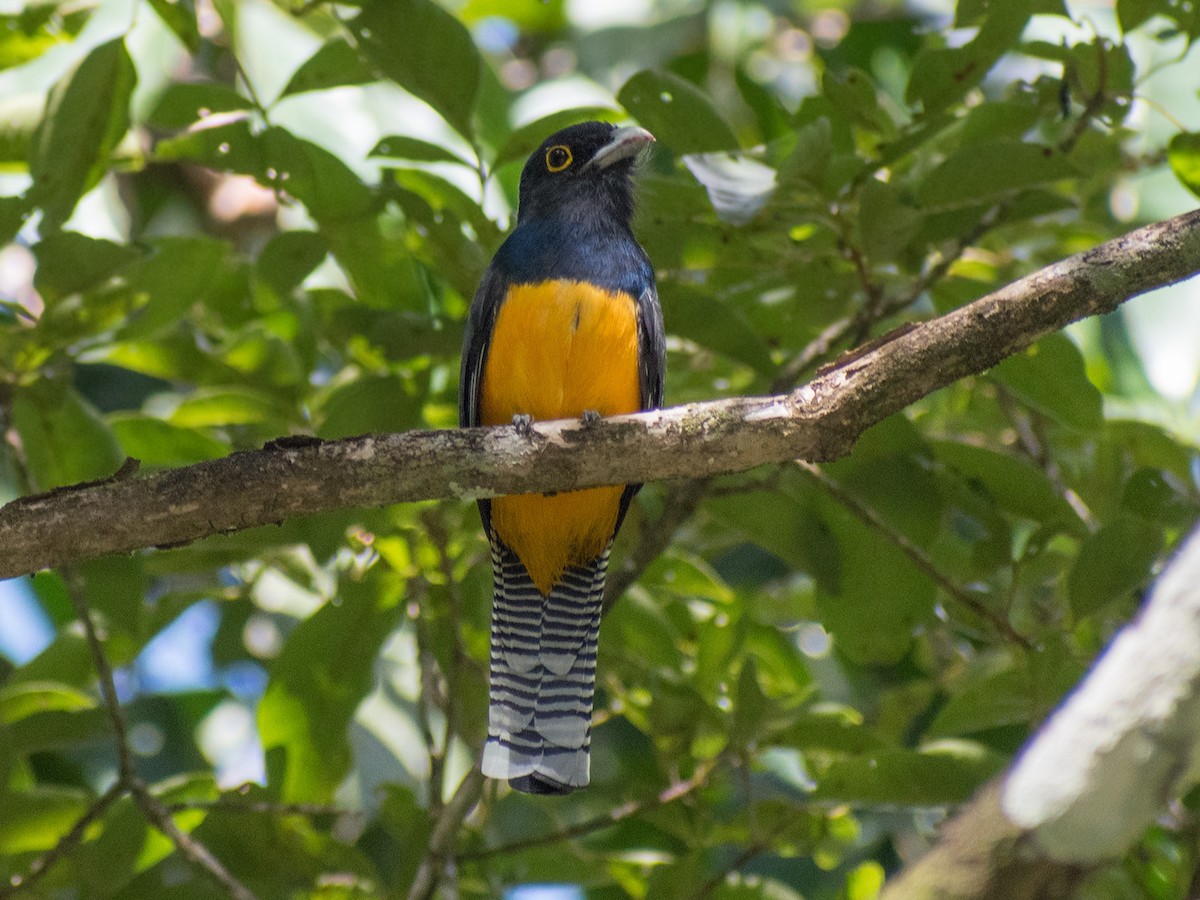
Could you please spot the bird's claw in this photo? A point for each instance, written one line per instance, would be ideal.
(524, 424)
(589, 418)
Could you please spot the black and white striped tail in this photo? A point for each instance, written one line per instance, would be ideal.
(543, 675)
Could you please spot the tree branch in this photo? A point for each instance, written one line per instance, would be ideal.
(818, 421)
(1089, 783)
(445, 831)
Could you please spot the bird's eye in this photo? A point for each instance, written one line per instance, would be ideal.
(558, 158)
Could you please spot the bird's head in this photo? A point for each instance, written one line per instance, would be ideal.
(582, 172)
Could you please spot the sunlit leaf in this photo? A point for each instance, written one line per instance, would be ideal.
(87, 113)
(336, 64)
(64, 438)
(318, 681)
(425, 50)
(1184, 156)
(676, 112)
(1114, 562)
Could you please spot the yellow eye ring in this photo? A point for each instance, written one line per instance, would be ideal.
(558, 157)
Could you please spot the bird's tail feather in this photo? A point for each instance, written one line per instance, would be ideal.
(543, 675)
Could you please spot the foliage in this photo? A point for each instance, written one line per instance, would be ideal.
(251, 220)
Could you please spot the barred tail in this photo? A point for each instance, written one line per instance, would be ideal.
(543, 675)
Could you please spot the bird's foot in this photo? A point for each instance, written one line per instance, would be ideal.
(524, 424)
(589, 418)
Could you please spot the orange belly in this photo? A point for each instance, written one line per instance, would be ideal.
(558, 349)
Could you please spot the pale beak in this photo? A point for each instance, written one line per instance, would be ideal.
(626, 142)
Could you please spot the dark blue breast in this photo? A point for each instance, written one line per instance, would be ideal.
(543, 249)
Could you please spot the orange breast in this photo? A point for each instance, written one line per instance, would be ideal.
(560, 348)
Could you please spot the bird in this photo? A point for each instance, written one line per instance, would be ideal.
(565, 323)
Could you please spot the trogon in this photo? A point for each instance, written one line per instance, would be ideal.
(565, 323)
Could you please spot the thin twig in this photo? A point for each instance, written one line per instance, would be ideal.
(158, 815)
(258, 807)
(916, 555)
(428, 696)
(607, 820)
(459, 660)
(77, 591)
(127, 780)
(68, 842)
(445, 830)
(1094, 104)
(1032, 441)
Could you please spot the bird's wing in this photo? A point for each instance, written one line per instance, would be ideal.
(652, 348)
(480, 321)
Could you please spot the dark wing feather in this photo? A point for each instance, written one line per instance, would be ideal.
(652, 368)
(481, 320)
(478, 337)
(652, 348)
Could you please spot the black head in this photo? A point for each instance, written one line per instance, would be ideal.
(583, 172)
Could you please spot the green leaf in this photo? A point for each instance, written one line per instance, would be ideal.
(1132, 13)
(940, 76)
(696, 315)
(289, 258)
(1115, 561)
(828, 727)
(228, 406)
(13, 213)
(997, 694)
(325, 670)
(529, 15)
(185, 103)
(679, 114)
(37, 819)
(336, 64)
(882, 595)
(64, 438)
(855, 94)
(116, 588)
(232, 147)
(982, 172)
(941, 774)
(158, 443)
(87, 113)
(1050, 376)
(1010, 482)
(772, 117)
(310, 173)
(1184, 155)
(791, 530)
(65, 660)
(426, 51)
(750, 709)
(1152, 494)
(887, 220)
(181, 19)
(17, 701)
(398, 146)
(175, 274)
(70, 263)
(369, 404)
(59, 729)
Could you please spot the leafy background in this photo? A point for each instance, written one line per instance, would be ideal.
(230, 220)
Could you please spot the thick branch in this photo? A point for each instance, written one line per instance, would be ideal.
(1093, 778)
(818, 421)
